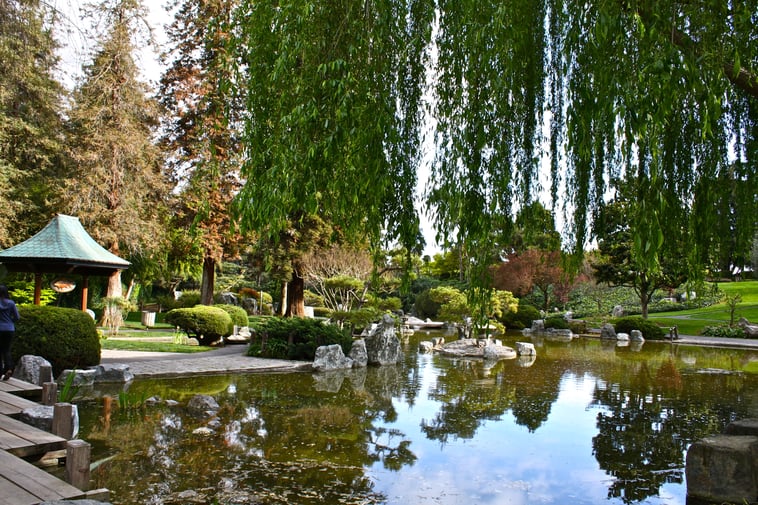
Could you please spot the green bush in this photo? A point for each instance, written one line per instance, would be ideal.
(425, 307)
(205, 323)
(67, 338)
(724, 331)
(522, 318)
(322, 312)
(357, 320)
(650, 330)
(578, 326)
(238, 314)
(295, 338)
(557, 323)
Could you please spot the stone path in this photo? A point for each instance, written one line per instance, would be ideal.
(229, 359)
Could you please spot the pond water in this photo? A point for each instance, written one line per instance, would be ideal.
(585, 423)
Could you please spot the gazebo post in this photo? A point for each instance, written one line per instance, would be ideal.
(37, 288)
(85, 291)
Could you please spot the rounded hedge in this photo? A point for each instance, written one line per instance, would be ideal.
(650, 330)
(522, 318)
(557, 323)
(67, 338)
(206, 323)
(295, 338)
(238, 314)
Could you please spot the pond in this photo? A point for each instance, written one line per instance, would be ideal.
(585, 423)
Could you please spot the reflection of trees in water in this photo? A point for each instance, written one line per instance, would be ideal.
(470, 395)
(650, 421)
(281, 442)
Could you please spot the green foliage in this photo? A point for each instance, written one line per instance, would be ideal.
(238, 314)
(557, 322)
(724, 331)
(425, 306)
(295, 338)
(67, 338)
(521, 318)
(205, 323)
(357, 320)
(322, 312)
(650, 330)
(69, 390)
(454, 306)
(22, 292)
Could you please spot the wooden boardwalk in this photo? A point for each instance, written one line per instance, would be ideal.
(22, 483)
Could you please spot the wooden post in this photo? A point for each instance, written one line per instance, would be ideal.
(45, 374)
(85, 291)
(63, 420)
(37, 288)
(77, 464)
(49, 393)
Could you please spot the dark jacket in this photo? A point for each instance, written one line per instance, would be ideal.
(8, 315)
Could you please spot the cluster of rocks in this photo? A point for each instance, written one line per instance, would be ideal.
(608, 332)
(380, 346)
(488, 349)
(724, 468)
(538, 329)
(751, 330)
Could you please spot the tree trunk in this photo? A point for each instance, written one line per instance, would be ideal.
(283, 300)
(208, 281)
(114, 285)
(296, 297)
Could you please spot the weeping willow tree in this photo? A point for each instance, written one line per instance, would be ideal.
(551, 99)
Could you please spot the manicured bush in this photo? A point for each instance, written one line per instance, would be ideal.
(204, 322)
(295, 338)
(649, 329)
(557, 323)
(578, 326)
(322, 312)
(67, 338)
(522, 318)
(238, 314)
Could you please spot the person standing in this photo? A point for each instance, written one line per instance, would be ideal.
(8, 317)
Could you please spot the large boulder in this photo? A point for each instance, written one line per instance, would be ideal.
(358, 353)
(331, 357)
(41, 417)
(382, 344)
(525, 349)
(28, 369)
(608, 332)
(82, 378)
(113, 372)
(722, 468)
(751, 330)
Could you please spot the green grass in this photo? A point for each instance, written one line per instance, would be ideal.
(692, 322)
(142, 345)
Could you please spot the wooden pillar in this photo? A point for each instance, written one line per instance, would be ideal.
(37, 288)
(85, 291)
(63, 420)
(78, 463)
(49, 393)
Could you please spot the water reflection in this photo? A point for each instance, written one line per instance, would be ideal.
(583, 423)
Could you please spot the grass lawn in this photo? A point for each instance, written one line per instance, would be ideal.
(152, 346)
(692, 322)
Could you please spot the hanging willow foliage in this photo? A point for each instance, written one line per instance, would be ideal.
(573, 96)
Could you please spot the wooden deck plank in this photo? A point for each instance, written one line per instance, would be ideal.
(23, 483)
(21, 388)
(12, 405)
(24, 440)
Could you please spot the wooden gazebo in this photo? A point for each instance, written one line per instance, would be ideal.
(63, 247)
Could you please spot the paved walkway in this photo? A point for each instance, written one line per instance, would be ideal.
(232, 359)
(227, 359)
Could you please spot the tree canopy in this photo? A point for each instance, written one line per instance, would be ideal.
(337, 93)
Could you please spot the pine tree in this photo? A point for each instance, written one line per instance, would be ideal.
(117, 188)
(197, 92)
(31, 132)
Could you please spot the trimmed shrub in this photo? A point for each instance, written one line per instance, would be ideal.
(67, 338)
(322, 312)
(578, 326)
(522, 318)
(238, 314)
(295, 338)
(205, 323)
(557, 323)
(724, 331)
(649, 329)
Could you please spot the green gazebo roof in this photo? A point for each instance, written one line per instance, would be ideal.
(63, 246)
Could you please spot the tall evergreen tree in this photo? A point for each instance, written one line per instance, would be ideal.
(31, 132)
(117, 187)
(200, 131)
